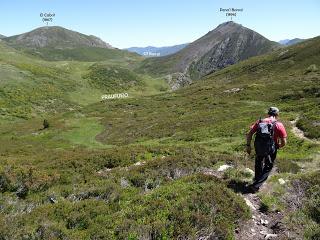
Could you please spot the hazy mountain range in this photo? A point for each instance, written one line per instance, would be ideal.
(289, 42)
(151, 51)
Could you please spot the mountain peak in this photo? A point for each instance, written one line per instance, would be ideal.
(55, 37)
(228, 26)
(227, 23)
(225, 45)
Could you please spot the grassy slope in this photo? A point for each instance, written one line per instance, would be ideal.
(159, 66)
(31, 87)
(28, 85)
(84, 54)
(176, 134)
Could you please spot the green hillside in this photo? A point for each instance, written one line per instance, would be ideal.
(145, 167)
(83, 54)
(60, 44)
(32, 87)
(29, 86)
(112, 78)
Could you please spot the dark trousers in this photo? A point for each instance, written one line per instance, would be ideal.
(263, 167)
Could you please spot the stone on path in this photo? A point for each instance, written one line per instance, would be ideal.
(224, 167)
(281, 181)
(250, 204)
(269, 236)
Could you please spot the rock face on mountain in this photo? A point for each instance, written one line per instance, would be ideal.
(1, 36)
(55, 37)
(228, 44)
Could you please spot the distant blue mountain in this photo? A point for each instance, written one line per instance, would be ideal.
(284, 41)
(289, 42)
(151, 51)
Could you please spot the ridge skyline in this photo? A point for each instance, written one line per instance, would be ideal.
(141, 45)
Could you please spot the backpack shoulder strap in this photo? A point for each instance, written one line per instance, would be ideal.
(273, 124)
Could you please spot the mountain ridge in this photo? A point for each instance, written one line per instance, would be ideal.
(289, 42)
(55, 37)
(225, 45)
(56, 43)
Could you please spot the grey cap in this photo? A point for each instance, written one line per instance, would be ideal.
(273, 111)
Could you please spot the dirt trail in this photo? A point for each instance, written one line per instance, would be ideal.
(262, 225)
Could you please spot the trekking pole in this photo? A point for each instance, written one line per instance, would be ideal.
(245, 160)
(237, 167)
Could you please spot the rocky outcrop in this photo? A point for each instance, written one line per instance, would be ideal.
(178, 80)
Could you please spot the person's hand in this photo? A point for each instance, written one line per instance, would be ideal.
(248, 150)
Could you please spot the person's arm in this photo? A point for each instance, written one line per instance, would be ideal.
(282, 142)
(282, 133)
(249, 138)
(249, 135)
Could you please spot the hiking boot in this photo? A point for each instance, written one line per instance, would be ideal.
(251, 189)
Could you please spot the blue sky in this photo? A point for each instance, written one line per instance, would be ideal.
(127, 23)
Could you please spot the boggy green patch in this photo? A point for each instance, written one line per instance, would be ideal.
(83, 132)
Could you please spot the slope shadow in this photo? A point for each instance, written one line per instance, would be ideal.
(238, 186)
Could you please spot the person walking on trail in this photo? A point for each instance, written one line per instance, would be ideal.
(270, 135)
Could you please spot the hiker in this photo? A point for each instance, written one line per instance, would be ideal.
(270, 136)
